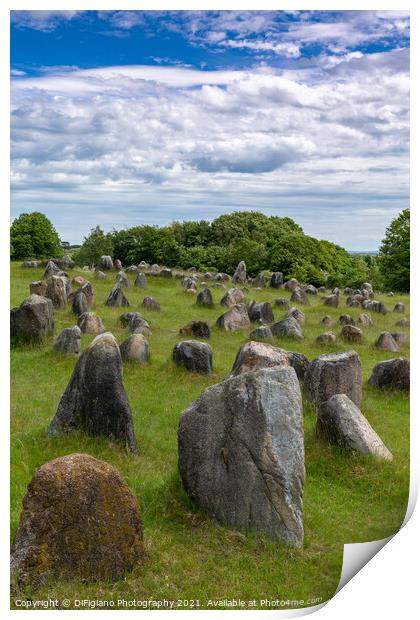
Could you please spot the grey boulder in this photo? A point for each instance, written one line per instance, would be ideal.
(90, 323)
(117, 297)
(254, 356)
(141, 280)
(276, 279)
(394, 373)
(33, 319)
(260, 311)
(194, 355)
(234, 319)
(239, 277)
(135, 349)
(205, 298)
(69, 341)
(287, 328)
(335, 373)
(232, 297)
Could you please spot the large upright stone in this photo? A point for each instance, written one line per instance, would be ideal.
(122, 280)
(332, 301)
(254, 356)
(194, 355)
(291, 284)
(69, 341)
(95, 399)
(56, 291)
(276, 279)
(234, 319)
(205, 298)
(51, 270)
(135, 349)
(260, 311)
(287, 328)
(239, 277)
(386, 342)
(33, 319)
(335, 373)
(394, 373)
(340, 422)
(90, 323)
(118, 265)
(105, 263)
(39, 287)
(135, 323)
(141, 280)
(79, 518)
(299, 296)
(232, 297)
(117, 297)
(241, 453)
(79, 304)
(149, 303)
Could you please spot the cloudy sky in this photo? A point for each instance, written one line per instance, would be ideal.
(128, 117)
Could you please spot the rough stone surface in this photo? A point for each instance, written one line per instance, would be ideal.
(340, 422)
(90, 323)
(287, 328)
(260, 311)
(332, 301)
(33, 319)
(234, 319)
(400, 338)
(299, 296)
(399, 307)
(122, 280)
(118, 264)
(95, 399)
(151, 304)
(310, 289)
(365, 319)
(69, 341)
(117, 297)
(259, 281)
(335, 373)
(386, 342)
(205, 298)
(105, 263)
(51, 270)
(375, 306)
(79, 304)
(135, 323)
(79, 281)
(31, 264)
(232, 297)
(299, 362)
(141, 280)
(290, 285)
(281, 302)
(100, 275)
(254, 356)
(326, 320)
(263, 332)
(197, 329)
(135, 349)
(326, 338)
(241, 453)
(79, 520)
(298, 315)
(276, 279)
(38, 288)
(346, 319)
(239, 277)
(351, 333)
(394, 373)
(194, 355)
(404, 322)
(56, 291)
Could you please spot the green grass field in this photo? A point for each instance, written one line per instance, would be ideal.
(348, 498)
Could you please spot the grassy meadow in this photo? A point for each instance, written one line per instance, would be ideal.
(348, 498)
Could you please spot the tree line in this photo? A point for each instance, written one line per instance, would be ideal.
(266, 243)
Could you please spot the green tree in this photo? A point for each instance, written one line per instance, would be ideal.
(33, 236)
(394, 254)
(95, 245)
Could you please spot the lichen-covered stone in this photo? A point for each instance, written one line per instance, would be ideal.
(287, 328)
(241, 453)
(254, 356)
(232, 297)
(38, 288)
(332, 301)
(141, 280)
(149, 303)
(234, 319)
(326, 338)
(260, 311)
(205, 298)
(298, 315)
(95, 399)
(262, 333)
(299, 296)
(135, 323)
(335, 373)
(299, 362)
(80, 521)
(90, 323)
(56, 291)
(135, 349)
(386, 342)
(351, 333)
(69, 341)
(33, 319)
(122, 280)
(239, 277)
(51, 270)
(105, 263)
(394, 373)
(117, 297)
(276, 279)
(79, 304)
(197, 329)
(194, 355)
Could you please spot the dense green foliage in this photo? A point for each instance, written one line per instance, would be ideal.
(33, 236)
(264, 242)
(394, 255)
(95, 245)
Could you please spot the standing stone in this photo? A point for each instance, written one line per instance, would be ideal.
(69, 341)
(326, 338)
(310, 289)
(79, 305)
(393, 373)
(290, 285)
(117, 297)
(400, 338)
(235, 319)
(365, 319)
(194, 355)
(90, 323)
(95, 399)
(56, 291)
(79, 280)
(404, 322)
(239, 277)
(259, 281)
(135, 349)
(151, 304)
(341, 423)
(105, 263)
(399, 307)
(281, 302)
(276, 279)
(197, 329)
(386, 342)
(346, 319)
(332, 301)
(100, 275)
(299, 296)
(335, 373)
(66, 281)
(232, 297)
(241, 453)
(122, 280)
(298, 315)
(263, 332)
(79, 518)
(165, 273)
(131, 269)
(118, 265)
(51, 270)
(299, 362)
(205, 298)
(189, 282)
(375, 306)
(254, 356)
(326, 320)
(135, 323)
(38, 288)
(33, 319)
(141, 280)
(351, 333)
(287, 328)
(260, 311)
(366, 286)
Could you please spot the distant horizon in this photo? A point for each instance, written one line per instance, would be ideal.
(155, 116)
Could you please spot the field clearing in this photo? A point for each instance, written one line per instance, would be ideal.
(348, 498)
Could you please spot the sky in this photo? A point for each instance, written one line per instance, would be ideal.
(121, 118)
